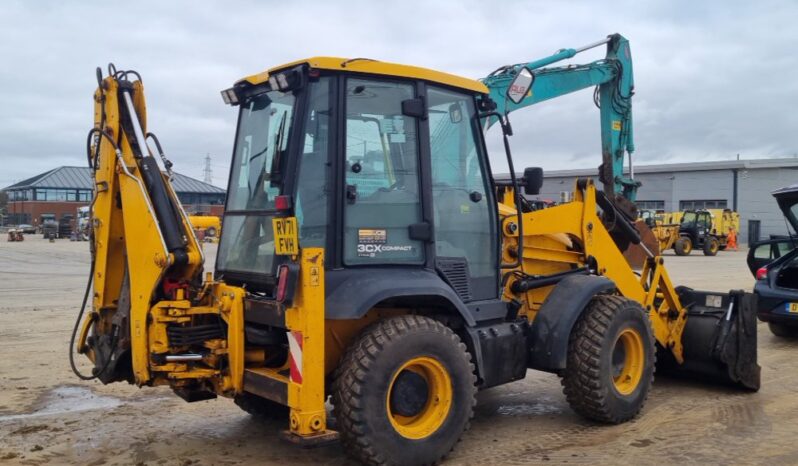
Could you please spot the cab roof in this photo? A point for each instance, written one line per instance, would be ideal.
(366, 65)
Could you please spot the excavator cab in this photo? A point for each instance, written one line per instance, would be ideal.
(396, 176)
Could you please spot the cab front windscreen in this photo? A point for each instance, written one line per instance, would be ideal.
(247, 243)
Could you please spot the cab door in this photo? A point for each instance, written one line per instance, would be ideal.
(464, 212)
(382, 198)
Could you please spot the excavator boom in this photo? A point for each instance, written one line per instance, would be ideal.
(613, 79)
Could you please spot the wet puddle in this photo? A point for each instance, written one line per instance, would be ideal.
(67, 399)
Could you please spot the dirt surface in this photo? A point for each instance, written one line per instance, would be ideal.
(48, 416)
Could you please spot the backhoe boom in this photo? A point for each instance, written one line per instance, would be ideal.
(613, 79)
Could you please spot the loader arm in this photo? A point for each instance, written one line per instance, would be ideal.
(612, 77)
(706, 333)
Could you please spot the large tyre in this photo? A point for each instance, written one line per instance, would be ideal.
(783, 330)
(711, 246)
(610, 363)
(683, 246)
(404, 392)
(261, 407)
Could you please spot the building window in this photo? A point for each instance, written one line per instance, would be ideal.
(703, 204)
(63, 195)
(20, 195)
(650, 205)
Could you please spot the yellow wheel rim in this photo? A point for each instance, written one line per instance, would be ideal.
(628, 360)
(688, 247)
(438, 399)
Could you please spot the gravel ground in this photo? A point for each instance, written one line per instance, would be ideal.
(47, 416)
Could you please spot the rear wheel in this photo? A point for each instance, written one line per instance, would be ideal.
(610, 364)
(783, 330)
(711, 246)
(683, 246)
(404, 392)
(261, 407)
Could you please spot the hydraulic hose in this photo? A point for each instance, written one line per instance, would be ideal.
(92, 161)
(75, 331)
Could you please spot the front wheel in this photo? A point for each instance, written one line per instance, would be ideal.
(683, 246)
(404, 392)
(711, 246)
(610, 363)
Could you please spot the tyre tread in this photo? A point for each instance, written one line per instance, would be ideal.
(348, 387)
(582, 382)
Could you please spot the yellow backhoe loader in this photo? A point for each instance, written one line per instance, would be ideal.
(367, 255)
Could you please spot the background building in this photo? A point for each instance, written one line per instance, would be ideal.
(60, 191)
(741, 185)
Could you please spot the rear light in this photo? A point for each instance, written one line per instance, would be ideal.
(287, 277)
(282, 282)
(282, 203)
(762, 273)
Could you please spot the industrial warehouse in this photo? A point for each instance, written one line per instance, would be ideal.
(743, 186)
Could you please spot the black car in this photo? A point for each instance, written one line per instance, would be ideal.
(774, 263)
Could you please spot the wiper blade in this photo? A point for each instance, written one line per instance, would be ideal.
(278, 143)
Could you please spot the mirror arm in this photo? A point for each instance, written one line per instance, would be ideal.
(506, 132)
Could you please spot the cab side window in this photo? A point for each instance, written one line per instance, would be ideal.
(464, 225)
(382, 197)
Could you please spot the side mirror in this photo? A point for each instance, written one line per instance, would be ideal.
(520, 86)
(533, 180)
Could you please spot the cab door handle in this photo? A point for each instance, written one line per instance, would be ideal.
(351, 193)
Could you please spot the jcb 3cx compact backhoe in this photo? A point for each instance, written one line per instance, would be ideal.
(368, 255)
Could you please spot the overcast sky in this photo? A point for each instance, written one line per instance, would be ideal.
(713, 78)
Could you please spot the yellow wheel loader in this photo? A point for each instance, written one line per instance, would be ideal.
(368, 256)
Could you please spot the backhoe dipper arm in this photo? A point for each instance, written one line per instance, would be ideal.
(612, 77)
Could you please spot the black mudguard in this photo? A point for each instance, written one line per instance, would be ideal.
(551, 329)
(719, 339)
(352, 292)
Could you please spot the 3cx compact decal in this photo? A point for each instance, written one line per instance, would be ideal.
(371, 250)
(372, 241)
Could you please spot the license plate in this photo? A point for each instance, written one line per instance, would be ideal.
(792, 308)
(286, 240)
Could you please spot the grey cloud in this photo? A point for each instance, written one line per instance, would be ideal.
(713, 78)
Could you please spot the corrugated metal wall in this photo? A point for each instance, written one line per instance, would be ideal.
(754, 188)
(756, 203)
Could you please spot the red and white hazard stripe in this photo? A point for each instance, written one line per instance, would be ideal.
(295, 355)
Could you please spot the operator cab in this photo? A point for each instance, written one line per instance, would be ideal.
(383, 165)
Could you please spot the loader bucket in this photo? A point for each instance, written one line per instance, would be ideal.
(719, 339)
